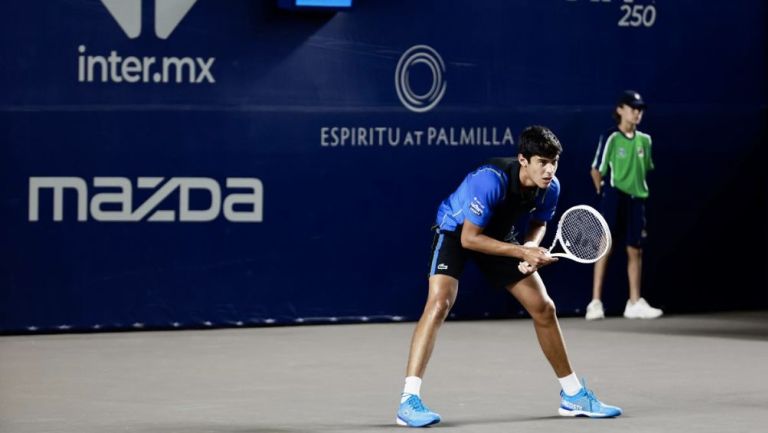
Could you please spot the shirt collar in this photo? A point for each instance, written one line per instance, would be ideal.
(514, 183)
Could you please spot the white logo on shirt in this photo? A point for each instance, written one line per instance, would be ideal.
(476, 207)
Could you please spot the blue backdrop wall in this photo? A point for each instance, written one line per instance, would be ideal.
(182, 163)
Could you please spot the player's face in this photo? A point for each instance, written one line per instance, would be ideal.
(541, 170)
(630, 115)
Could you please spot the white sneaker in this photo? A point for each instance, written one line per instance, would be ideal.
(595, 310)
(641, 310)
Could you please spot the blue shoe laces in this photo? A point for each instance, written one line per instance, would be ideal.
(416, 404)
(593, 401)
(590, 394)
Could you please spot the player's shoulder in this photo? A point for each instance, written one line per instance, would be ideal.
(490, 174)
(554, 186)
(610, 134)
(644, 136)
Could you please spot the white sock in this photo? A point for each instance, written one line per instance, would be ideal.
(570, 384)
(412, 387)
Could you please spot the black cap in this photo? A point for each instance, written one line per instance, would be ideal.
(631, 98)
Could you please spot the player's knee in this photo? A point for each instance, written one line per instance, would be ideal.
(545, 313)
(439, 308)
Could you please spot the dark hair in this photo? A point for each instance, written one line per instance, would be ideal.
(615, 115)
(538, 140)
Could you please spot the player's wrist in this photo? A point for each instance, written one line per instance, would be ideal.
(518, 251)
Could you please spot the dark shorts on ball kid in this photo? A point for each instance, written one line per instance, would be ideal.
(449, 257)
(625, 216)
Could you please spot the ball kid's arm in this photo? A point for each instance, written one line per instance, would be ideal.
(597, 179)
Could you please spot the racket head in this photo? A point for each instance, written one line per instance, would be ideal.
(583, 235)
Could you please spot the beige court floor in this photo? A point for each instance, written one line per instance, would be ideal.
(697, 373)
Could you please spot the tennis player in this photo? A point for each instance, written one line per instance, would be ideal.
(477, 222)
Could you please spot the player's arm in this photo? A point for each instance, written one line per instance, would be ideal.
(594, 172)
(535, 233)
(597, 179)
(472, 238)
(648, 154)
(537, 223)
(533, 238)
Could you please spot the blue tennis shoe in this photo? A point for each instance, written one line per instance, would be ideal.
(413, 413)
(584, 403)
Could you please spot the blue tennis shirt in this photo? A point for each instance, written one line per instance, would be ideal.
(491, 197)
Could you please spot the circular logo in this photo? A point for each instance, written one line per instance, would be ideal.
(420, 54)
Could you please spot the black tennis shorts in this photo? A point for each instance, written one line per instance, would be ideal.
(625, 216)
(448, 258)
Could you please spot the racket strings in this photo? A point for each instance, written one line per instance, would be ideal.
(584, 235)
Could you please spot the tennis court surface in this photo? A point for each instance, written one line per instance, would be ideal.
(697, 373)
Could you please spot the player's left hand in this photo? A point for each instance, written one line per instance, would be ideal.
(526, 268)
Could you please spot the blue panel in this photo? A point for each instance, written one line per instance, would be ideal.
(315, 4)
(325, 3)
(232, 164)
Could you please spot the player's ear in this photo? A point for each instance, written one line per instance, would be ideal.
(522, 160)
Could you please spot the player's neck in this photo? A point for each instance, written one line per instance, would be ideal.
(526, 183)
(628, 129)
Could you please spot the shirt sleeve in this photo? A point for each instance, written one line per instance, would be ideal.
(486, 190)
(598, 153)
(605, 157)
(648, 154)
(545, 209)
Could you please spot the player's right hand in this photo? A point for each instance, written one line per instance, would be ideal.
(537, 256)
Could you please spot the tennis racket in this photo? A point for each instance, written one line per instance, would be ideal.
(582, 234)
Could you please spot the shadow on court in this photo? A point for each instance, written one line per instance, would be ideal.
(741, 325)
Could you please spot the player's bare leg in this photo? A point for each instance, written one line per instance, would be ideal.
(599, 275)
(575, 399)
(442, 295)
(532, 294)
(637, 307)
(595, 307)
(634, 271)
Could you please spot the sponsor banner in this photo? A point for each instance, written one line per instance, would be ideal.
(196, 163)
(98, 205)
